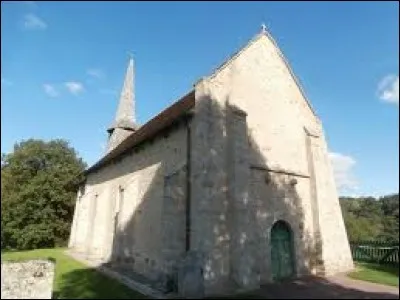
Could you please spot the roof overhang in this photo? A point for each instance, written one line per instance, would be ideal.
(164, 119)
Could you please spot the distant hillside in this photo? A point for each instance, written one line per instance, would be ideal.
(371, 218)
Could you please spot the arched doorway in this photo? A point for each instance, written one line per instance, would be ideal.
(282, 251)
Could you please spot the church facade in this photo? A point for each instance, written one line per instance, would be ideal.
(232, 180)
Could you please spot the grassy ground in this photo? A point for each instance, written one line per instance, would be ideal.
(74, 280)
(383, 274)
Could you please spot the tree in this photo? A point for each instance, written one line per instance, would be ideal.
(370, 218)
(38, 194)
(390, 208)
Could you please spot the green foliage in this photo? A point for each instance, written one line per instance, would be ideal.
(371, 218)
(37, 194)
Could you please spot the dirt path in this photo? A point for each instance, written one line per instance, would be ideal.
(336, 287)
(364, 285)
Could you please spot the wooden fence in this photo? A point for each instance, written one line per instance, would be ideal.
(375, 252)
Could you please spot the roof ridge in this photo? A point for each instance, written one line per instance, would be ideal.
(233, 56)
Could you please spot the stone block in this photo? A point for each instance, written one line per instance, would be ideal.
(31, 279)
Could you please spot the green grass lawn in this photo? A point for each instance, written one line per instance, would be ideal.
(75, 280)
(383, 274)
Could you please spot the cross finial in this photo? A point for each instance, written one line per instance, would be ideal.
(263, 28)
(130, 54)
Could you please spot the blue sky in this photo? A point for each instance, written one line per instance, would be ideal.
(63, 63)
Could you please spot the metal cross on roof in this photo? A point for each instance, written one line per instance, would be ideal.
(263, 28)
(130, 54)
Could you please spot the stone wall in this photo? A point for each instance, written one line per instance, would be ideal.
(130, 204)
(242, 211)
(173, 220)
(258, 82)
(209, 183)
(336, 253)
(276, 198)
(27, 280)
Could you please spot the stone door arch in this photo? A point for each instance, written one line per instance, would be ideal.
(282, 251)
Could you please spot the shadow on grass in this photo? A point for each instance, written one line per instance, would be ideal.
(91, 284)
(381, 274)
(311, 287)
(389, 269)
(74, 280)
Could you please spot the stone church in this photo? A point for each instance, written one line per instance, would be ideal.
(231, 185)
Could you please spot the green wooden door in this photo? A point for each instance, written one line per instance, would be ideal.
(282, 258)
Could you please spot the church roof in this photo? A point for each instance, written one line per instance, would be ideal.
(149, 129)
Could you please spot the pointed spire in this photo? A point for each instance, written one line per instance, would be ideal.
(126, 107)
(125, 119)
(125, 116)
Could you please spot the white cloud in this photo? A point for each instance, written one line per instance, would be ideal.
(74, 87)
(343, 171)
(5, 82)
(96, 73)
(50, 90)
(32, 22)
(388, 89)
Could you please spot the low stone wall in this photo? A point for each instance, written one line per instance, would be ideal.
(31, 279)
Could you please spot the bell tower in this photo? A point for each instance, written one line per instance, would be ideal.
(125, 118)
